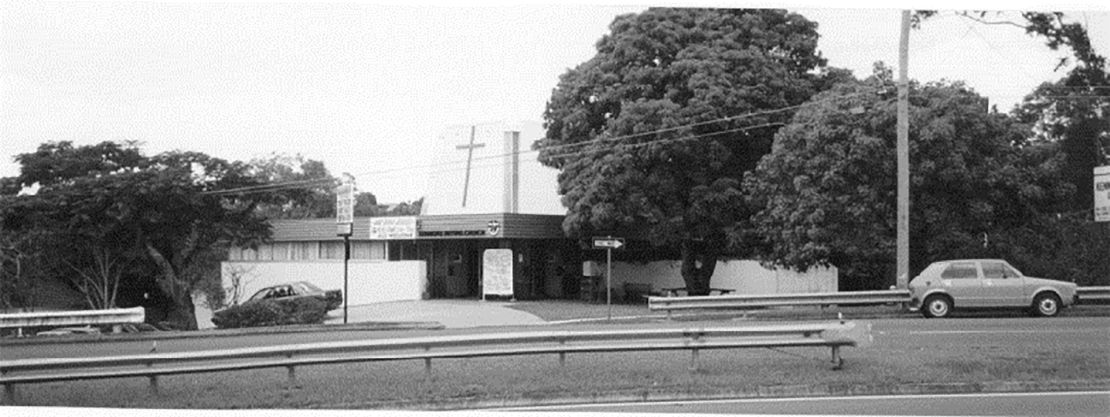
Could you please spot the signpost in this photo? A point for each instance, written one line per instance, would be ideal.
(345, 221)
(608, 243)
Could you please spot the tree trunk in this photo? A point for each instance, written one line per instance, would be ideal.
(182, 313)
(699, 260)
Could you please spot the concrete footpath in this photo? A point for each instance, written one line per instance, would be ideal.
(452, 314)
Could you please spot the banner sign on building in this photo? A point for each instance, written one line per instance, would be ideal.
(497, 272)
(392, 228)
(1102, 194)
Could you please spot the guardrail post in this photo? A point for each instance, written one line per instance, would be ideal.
(562, 354)
(837, 361)
(9, 394)
(291, 376)
(428, 362)
(153, 385)
(694, 337)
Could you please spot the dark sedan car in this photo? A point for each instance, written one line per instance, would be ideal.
(292, 290)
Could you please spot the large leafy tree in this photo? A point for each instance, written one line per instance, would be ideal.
(656, 130)
(1074, 110)
(166, 218)
(302, 188)
(827, 190)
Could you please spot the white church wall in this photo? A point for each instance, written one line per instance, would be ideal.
(490, 155)
(744, 276)
(368, 281)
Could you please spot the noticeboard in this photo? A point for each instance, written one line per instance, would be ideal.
(497, 272)
(393, 228)
(345, 203)
(1102, 194)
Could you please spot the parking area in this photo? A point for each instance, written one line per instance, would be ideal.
(450, 313)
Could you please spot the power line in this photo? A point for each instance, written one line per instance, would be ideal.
(313, 183)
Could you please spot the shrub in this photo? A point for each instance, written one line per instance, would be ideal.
(306, 310)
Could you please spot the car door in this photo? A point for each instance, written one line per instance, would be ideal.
(1003, 286)
(961, 280)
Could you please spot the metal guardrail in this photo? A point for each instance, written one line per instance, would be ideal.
(1093, 294)
(19, 321)
(776, 300)
(833, 335)
(1086, 294)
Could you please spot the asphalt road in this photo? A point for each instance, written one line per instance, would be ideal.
(1008, 404)
(903, 334)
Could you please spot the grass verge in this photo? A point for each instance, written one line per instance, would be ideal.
(898, 362)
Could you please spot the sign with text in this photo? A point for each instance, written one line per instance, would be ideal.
(345, 203)
(497, 272)
(608, 242)
(1102, 194)
(392, 228)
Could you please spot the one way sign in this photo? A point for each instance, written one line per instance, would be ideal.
(608, 242)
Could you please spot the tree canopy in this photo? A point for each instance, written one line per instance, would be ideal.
(106, 206)
(656, 130)
(827, 190)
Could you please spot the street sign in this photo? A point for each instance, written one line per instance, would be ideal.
(1102, 194)
(608, 242)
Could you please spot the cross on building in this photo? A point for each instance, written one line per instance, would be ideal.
(469, 156)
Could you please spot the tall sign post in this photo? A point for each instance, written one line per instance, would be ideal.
(608, 243)
(345, 224)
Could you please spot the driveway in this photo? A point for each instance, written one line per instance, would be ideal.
(450, 313)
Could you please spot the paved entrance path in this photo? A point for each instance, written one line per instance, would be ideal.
(450, 313)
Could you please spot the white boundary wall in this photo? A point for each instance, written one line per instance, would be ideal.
(368, 281)
(746, 277)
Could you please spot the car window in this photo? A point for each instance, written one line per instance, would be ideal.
(995, 270)
(264, 293)
(308, 287)
(1010, 271)
(960, 270)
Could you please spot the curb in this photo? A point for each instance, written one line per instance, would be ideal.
(166, 335)
(526, 403)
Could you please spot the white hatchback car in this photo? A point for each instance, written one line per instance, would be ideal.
(986, 283)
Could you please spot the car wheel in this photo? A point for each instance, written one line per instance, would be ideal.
(937, 306)
(1046, 304)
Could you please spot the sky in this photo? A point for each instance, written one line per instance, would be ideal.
(366, 87)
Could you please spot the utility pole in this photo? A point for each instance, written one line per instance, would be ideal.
(902, 279)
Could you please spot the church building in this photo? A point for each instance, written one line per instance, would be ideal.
(490, 227)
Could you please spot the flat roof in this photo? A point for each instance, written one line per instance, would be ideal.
(436, 227)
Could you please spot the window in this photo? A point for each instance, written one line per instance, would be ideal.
(303, 251)
(281, 251)
(331, 250)
(368, 250)
(265, 252)
(960, 270)
(994, 270)
(999, 270)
